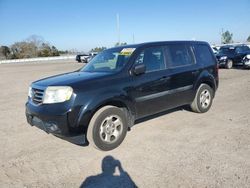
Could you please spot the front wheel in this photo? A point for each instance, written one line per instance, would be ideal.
(203, 99)
(107, 128)
(229, 64)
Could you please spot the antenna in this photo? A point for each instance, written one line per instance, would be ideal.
(118, 27)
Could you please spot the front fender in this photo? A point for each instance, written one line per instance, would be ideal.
(109, 97)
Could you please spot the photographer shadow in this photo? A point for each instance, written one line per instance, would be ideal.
(108, 177)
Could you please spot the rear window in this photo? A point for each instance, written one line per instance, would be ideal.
(203, 54)
(178, 55)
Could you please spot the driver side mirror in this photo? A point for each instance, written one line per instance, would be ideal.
(139, 69)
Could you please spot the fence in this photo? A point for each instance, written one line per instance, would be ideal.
(38, 59)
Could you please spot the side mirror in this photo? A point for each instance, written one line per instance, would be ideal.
(139, 69)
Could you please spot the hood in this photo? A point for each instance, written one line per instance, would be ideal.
(69, 79)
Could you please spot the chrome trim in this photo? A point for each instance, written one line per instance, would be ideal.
(160, 94)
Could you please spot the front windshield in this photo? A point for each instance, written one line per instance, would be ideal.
(111, 60)
(229, 50)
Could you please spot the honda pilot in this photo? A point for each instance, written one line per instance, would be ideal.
(101, 101)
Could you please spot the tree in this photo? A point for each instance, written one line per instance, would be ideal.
(98, 49)
(248, 39)
(120, 44)
(226, 37)
(5, 51)
(54, 51)
(23, 50)
(45, 50)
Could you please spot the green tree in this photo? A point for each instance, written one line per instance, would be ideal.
(54, 51)
(5, 51)
(226, 37)
(45, 50)
(98, 49)
(248, 38)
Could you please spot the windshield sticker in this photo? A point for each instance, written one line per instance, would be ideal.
(127, 51)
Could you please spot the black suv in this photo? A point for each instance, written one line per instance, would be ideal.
(234, 55)
(120, 85)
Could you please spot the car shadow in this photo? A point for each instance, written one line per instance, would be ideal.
(108, 178)
(147, 118)
(83, 142)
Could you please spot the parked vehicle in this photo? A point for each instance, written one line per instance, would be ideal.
(85, 58)
(215, 50)
(121, 85)
(246, 62)
(233, 55)
(82, 58)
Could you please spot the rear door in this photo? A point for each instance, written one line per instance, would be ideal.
(183, 72)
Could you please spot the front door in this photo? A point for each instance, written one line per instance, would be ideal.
(149, 89)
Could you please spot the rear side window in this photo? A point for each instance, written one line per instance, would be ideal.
(178, 55)
(153, 59)
(203, 54)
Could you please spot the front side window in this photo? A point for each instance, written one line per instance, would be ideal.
(179, 55)
(153, 59)
(111, 60)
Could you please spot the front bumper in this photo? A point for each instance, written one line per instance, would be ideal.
(50, 124)
(58, 119)
(246, 63)
(222, 63)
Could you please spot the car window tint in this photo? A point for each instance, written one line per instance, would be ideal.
(178, 55)
(203, 54)
(152, 58)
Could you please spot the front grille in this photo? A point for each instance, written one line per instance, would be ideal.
(37, 95)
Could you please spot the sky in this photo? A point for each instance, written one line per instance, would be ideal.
(85, 24)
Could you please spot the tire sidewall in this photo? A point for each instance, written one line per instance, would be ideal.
(202, 88)
(229, 62)
(100, 144)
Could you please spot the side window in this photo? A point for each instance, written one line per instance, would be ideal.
(179, 55)
(152, 58)
(203, 54)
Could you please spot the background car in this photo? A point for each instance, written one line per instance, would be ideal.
(232, 55)
(85, 58)
(82, 58)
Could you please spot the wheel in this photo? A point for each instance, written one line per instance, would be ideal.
(107, 128)
(229, 64)
(203, 99)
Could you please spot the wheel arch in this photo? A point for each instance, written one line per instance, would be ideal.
(206, 78)
(87, 112)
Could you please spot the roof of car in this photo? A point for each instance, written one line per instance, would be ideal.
(159, 43)
(233, 46)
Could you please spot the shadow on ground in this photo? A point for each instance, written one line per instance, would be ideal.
(109, 176)
(147, 118)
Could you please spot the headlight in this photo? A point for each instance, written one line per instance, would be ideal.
(248, 56)
(57, 94)
(223, 58)
(30, 92)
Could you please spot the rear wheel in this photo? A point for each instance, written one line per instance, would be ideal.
(107, 128)
(203, 99)
(229, 64)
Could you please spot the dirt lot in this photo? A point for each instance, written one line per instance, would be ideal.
(178, 149)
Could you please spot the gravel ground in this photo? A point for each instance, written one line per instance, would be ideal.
(177, 149)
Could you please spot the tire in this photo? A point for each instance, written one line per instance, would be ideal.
(203, 99)
(229, 64)
(107, 128)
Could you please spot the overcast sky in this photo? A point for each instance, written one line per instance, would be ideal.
(84, 24)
